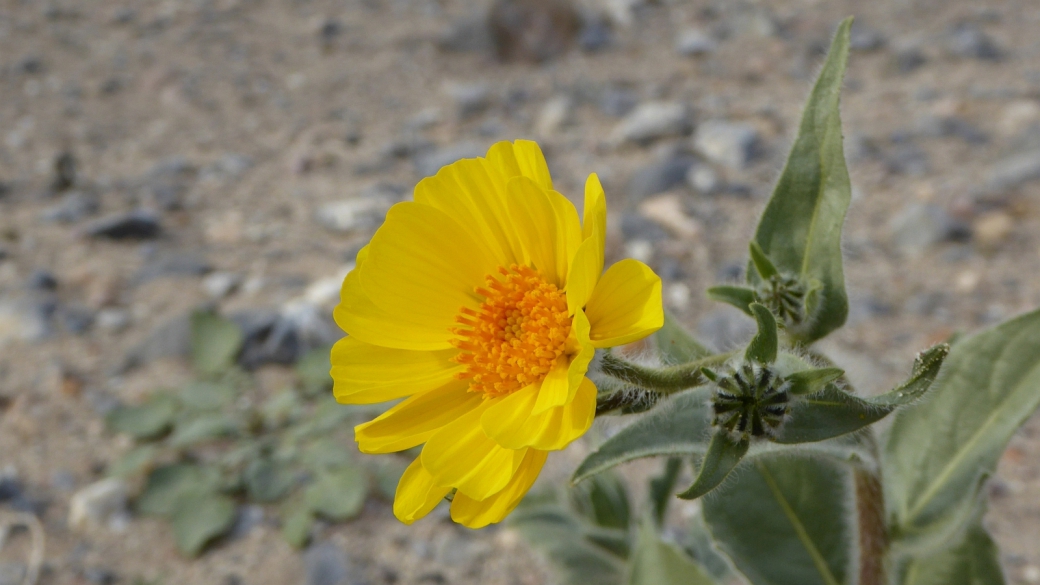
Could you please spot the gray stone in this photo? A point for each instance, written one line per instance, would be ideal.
(96, 504)
(167, 181)
(703, 179)
(470, 34)
(733, 144)
(1013, 171)
(23, 320)
(76, 319)
(427, 163)
(140, 224)
(636, 227)
(660, 176)
(469, 98)
(112, 319)
(73, 207)
(360, 213)
(919, 226)
(692, 42)
(221, 284)
(969, 41)
(326, 564)
(248, 517)
(725, 328)
(864, 38)
(909, 59)
(100, 576)
(950, 126)
(595, 34)
(42, 280)
(907, 159)
(652, 120)
(172, 265)
(171, 339)
(617, 101)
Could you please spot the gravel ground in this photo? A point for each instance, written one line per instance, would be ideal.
(255, 145)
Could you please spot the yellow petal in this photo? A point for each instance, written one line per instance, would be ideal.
(511, 422)
(536, 221)
(361, 318)
(568, 236)
(416, 493)
(584, 273)
(554, 390)
(626, 304)
(522, 158)
(472, 192)
(478, 514)
(422, 267)
(415, 420)
(595, 220)
(364, 373)
(463, 456)
(562, 382)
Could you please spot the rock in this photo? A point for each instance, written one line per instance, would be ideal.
(283, 336)
(171, 339)
(100, 576)
(427, 163)
(595, 35)
(733, 144)
(992, 229)
(231, 166)
(1018, 116)
(635, 226)
(553, 116)
(652, 120)
(470, 98)
(42, 280)
(221, 284)
(532, 30)
(641, 250)
(864, 38)
(172, 264)
(136, 225)
(969, 41)
(667, 211)
(1013, 172)
(693, 42)
(249, 517)
(98, 503)
(725, 328)
(25, 320)
(326, 564)
(677, 295)
(703, 179)
(909, 59)
(470, 34)
(64, 172)
(617, 101)
(167, 181)
(73, 207)
(907, 159)
(950, 126)
(360, 213)
(918, 226)
(660, 176)
(112, 320)
(76, 319)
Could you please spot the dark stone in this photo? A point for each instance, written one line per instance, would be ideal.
(863, 38)
(30, 65)
(76, 319)
(10, 488)
(907, 159)
(330, 30)
(64, 172)
(326, 564)
(660, 176)
(969, 41)
(595, 34)
(910, 59)
(135, 225)
(435, 577)
(266, 338)
(42, 280)
(470, 35)
(100, 576)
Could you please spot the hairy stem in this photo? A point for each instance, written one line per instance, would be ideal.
(873, 535)
(661, 380)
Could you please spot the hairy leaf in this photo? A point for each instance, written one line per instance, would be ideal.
(937, 450)
(785, 521)
(763, 345)
(338, 494)
(723, 455)
(655, 562)
(215, 342)
(267, 480)
(146, 421)
(297, 520)
(167, 484)
(739, 296)
(198, 518)
(604, 501)
(202, 427)
(661, 488)
(800, 229)
(972, 560)
(207, 395)
(561, 536)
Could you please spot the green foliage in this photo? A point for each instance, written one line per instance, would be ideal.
(661, 488)
(971, 559)
(785, 521)
(676, 345)
(221, 444)
(800, 230)
(723, 455)
(655, 562)
(938, 450)
(763, 346)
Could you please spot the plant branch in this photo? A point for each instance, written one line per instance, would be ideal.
(662, 381)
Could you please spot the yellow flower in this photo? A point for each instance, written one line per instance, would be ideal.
(483, 302)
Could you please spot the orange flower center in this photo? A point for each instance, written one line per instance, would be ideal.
(516, 336)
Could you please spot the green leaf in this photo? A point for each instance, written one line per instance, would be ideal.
(676, 344)
(738, 296)
(724, 453)
(973, 559)
(603, 500)
(812, 381)
(198, 518)
(267, 480)
(678, 425)
(297, 520)
(763, 345)
(800, 229)
(763, 265)
(207, 395)
(655, 562)
(785, 521)
(926, 369)
(201, 428)
(313, 369)
(165, 485)
(939, 448)
(281, 409)
(135, 461)
(661, 488)
(561, 536)
(147, 421)
(325, 453)
(215, 342)
(701, 545)
(338, 494)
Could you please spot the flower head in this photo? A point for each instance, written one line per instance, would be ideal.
(482, 303)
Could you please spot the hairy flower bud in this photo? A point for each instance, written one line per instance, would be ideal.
(752, 399)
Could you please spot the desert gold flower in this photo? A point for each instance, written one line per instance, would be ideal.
(482, 302)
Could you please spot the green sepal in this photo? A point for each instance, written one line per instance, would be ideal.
(800, 229)
(724, 454)
(740, 297)
(677, 345)
(812, 381)
(764, 344)
(763, 265)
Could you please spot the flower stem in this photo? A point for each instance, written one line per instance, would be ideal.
(661, 380)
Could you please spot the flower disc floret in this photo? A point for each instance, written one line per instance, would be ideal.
(517, 334)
